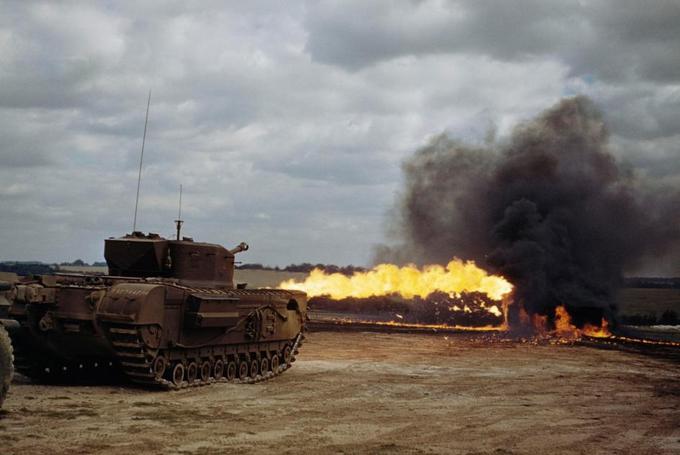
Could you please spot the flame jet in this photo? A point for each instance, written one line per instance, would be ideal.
(408, 281)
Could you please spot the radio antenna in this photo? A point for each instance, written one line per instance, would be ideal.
(141, 160)
(179, 221)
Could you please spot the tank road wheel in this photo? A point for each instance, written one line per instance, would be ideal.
(231, 370)
(159, 366)
(206, 369)
(254, 367)
(192, 372)
(287, 355)
(178, 374)
(243, 370)
(218, 369)
(275, 363)
(264, 366)
(6, 364)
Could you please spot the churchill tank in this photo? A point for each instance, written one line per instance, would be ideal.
(168, 314)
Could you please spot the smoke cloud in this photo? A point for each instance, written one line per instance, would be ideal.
(550, 209)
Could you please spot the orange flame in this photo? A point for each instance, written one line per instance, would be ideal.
(565, 329)
(563, 326)
(408, 281)
(597, 332)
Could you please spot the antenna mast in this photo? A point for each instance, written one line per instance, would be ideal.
(179, 221)
(141, 160)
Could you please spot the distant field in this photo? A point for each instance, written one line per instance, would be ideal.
(648, 301)
(83, 269)
(266, 278)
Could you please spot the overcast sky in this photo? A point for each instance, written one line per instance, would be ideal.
(287, 122)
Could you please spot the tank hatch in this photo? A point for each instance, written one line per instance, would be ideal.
(137, 255)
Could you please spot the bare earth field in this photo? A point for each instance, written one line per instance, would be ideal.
(375, 393)
(645, 300)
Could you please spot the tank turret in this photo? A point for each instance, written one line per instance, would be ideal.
(192, 263)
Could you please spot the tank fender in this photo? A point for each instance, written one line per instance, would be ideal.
(6, 298)
(136, 303)
(34, 293)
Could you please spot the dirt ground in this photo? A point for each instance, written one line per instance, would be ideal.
(375, 393)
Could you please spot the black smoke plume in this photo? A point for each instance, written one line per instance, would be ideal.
(550, 209)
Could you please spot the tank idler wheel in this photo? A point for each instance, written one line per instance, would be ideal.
(218, 369)
(192, 372)
(287, 354)
(159, 366)
(275, 363)
(243, 370)
(178, 374)
(254, 368)
(231, 370)
(264, 366)
(206, 369)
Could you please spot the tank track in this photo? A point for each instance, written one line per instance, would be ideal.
(51, 370)
(36, 366)
(157, 367)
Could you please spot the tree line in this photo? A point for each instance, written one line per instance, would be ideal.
(306, 267)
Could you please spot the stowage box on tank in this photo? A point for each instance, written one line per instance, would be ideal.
(167, 314)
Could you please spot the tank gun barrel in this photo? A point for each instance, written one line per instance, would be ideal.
(243, 246)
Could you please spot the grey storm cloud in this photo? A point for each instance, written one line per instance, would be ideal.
(624, 54)
(611, 39)
(287, 123)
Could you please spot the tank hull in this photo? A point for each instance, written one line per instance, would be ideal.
(154, 331)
